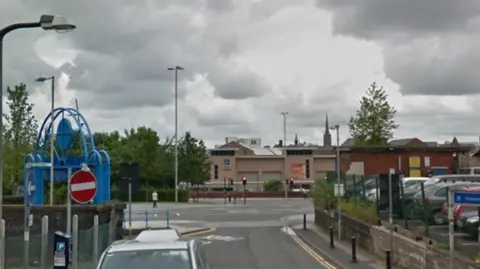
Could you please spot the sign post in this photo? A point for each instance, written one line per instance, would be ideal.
(28, 196)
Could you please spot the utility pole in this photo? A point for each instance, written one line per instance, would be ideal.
(285, 113)
(176, 69)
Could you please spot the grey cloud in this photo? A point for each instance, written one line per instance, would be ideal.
(383, 18)
(123, 43)
(451, 70)
(429, 46)
(238, 84)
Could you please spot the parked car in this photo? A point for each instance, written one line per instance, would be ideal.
(408, 182)
(435, 197)
(468, 222)
(459, 209)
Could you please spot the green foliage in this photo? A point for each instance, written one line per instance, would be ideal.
(323, 194)
(361, 210)
(19, 135)
(273, 186)
(374, 123)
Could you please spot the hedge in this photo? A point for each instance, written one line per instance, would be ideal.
(164, 195)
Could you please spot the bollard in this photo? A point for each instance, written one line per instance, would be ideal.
(388, 259)
(168, 219)
(146, 219)
(354, 249)
(332, 245)
(304, 221)
(96, 223)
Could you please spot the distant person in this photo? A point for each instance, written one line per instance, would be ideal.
(154, 199)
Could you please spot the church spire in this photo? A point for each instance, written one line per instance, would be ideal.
(327, 137)
(327, 127)
(296, 140)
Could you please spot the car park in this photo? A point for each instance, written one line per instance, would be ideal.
(459, 209)
(182, 253)
(468, 222)
(435, 197)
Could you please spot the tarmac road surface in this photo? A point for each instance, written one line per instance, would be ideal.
(256, 248)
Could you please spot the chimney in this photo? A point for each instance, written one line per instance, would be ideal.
(280, 143)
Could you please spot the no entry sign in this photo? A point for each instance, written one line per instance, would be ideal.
(83, 186)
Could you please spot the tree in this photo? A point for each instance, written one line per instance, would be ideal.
(194, 165)
(20, 132)
(374, 123)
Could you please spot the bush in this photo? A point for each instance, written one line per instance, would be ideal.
(363, 211)
(272, 186)
(323, 195)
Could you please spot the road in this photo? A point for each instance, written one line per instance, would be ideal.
(246, 236)
(256, 248)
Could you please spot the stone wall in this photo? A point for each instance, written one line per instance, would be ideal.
(407, 253)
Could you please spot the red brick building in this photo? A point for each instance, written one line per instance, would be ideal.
(412, 156)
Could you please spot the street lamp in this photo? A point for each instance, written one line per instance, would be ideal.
(46, 22)
(339, 208)
(52, 145)
(285, 113)
(176, 69)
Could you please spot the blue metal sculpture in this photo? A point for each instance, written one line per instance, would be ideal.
(34, 177)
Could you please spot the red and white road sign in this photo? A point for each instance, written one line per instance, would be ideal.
(83, 186)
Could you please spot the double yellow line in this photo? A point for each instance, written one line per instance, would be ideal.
(209, 230)
(311, 252)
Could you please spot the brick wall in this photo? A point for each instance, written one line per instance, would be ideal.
(407, 253)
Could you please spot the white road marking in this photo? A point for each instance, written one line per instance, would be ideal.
(83, 186)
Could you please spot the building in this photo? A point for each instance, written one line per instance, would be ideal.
(411, 156)
(245, 157)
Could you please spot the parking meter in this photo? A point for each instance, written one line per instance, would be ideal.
(62, 250)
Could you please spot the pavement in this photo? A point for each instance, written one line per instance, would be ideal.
(341, 256)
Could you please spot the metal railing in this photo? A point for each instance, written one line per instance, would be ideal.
(153, 218)
(36, 250)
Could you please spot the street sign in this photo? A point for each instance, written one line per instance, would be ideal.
(226, 163)
(466, 198)
(83, 186)
(30, 187)
(338, 190)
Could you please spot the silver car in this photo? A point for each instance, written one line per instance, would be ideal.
(178, 254)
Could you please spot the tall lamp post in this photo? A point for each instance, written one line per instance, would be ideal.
(337, 165)
(176, 69)
(285, 113)
(46, 22)
(52, 144)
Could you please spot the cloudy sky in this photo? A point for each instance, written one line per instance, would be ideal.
(248, 60)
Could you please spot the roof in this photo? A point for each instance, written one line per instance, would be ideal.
(157, 235)
(126, 245)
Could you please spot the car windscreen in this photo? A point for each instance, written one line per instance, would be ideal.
(147, 259)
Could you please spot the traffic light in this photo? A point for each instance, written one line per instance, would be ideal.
(244, 181)
(215, 171)
(307, 168)
(231, 181)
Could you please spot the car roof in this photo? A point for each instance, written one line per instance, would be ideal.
(415, 178)
(129, 245)
(157, 235)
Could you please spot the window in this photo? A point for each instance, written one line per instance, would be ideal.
(299, 152)
(147, 259)
(441, 192)
(222, 153)
(198, 260)
(253, 142)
